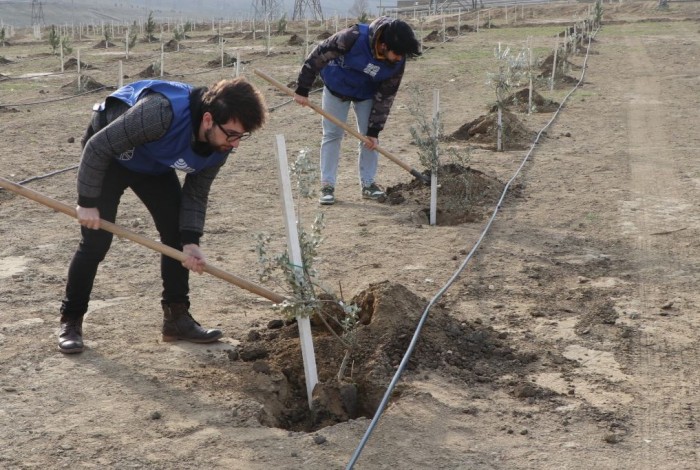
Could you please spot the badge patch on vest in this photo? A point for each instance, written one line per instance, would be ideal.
(371, 70)
(181, 165)
(126, 156)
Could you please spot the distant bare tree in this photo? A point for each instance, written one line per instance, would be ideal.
(360, 9)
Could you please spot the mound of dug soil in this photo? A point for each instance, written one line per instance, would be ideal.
(104, 45)
(72, 64)
(217, 38)
(484, 130)
(228, 61)
(173, 46)
(295, 40)
(389, 314)
(87, 83)
(323, 35)
(546, 65)
(150, 72)
(519, 100)
(464, 195)
(4, 61)
(434, 36)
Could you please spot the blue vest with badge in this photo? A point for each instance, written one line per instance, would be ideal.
(174, 149)
(357, 74)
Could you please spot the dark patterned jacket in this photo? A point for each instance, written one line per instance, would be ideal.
(338, 45)
(119, 128)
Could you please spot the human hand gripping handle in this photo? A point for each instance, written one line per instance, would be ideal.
(371, 143)
(88, 217)
(196, 260)
(302, 100)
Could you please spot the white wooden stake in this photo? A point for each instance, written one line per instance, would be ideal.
(434, 170)
(221, 43)
(529, 69)
(162, 58)
(78, 56)
(61, 46)
(304, 324)
(499, 141)
(554, 64)
(444, 28)
(238, 63)
(120, 82)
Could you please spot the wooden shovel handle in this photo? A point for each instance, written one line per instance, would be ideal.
(341, 124)
(141, 240)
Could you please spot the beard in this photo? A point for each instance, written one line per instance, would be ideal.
(207, 148)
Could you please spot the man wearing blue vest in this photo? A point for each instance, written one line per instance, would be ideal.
(362, 65)
(137, 139)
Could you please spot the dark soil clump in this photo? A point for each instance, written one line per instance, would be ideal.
(389, 313)
(150, 72)
(87, 83)
(228, 61)
(520, 99)
(484, 130)
(295, 40)
(72, 64)
(104, 45)
(464, 195)
(173, 46)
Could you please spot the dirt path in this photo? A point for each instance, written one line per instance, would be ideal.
(666, 363)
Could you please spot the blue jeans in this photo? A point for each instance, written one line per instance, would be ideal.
(333, 136)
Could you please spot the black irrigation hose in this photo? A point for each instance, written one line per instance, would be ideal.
(58, 99)
(453, 278)
(47, 175)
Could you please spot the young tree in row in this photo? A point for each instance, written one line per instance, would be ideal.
(150, 27)
(132, 35)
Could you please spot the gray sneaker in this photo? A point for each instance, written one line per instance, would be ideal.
(327, 198)
(373, 192)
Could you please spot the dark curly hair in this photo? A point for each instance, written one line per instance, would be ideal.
(238, 99)
(400, 39)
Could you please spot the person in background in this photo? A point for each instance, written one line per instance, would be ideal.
(361, 65)
(137, 139)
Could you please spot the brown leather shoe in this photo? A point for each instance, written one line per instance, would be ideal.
(70, 338)
(179, 324)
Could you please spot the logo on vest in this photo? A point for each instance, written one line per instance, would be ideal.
(371, 70)
(181, 165)
(126, 156)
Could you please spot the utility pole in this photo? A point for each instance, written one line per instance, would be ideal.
(300, 7)
(37, 13)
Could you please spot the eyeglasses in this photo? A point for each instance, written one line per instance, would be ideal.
(232, 137)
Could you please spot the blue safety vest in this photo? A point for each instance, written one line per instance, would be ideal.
(357, 74)
(174, 149)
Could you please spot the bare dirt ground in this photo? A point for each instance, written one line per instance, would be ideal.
(569, 341)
